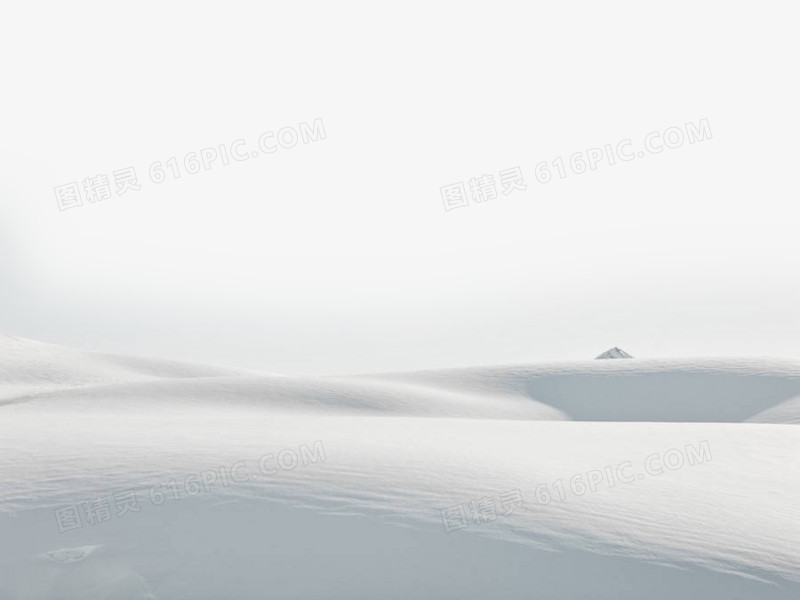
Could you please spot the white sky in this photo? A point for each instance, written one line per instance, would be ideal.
(337, 255)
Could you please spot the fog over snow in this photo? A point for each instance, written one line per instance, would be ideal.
(340, 301)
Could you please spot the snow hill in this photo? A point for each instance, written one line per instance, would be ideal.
(699, 390)
(28, 366)
(594, 479)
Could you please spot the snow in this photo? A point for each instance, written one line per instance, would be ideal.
(347, 502)
(674, 390)
(614, 353)
(32, 366)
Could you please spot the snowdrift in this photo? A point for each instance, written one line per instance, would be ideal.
(459, 483)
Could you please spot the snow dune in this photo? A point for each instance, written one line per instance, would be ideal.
(727, 390)
(340, 482)
(28, 366)
(701, 390)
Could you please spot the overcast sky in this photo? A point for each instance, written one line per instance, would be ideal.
(333, 250)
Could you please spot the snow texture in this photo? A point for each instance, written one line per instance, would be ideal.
(638, 479)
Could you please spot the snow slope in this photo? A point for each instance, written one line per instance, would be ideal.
(28, 366)
(270, 487)
(699, 390)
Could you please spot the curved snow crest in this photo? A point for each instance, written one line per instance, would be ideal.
(699, 390)
(665, 390)
(30, 361)
(399, 448)
(292, 395)
(28, 366)
(787, 412)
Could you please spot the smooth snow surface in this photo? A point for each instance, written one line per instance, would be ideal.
(639, 479)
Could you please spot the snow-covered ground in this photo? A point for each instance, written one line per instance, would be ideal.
(129, 479)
